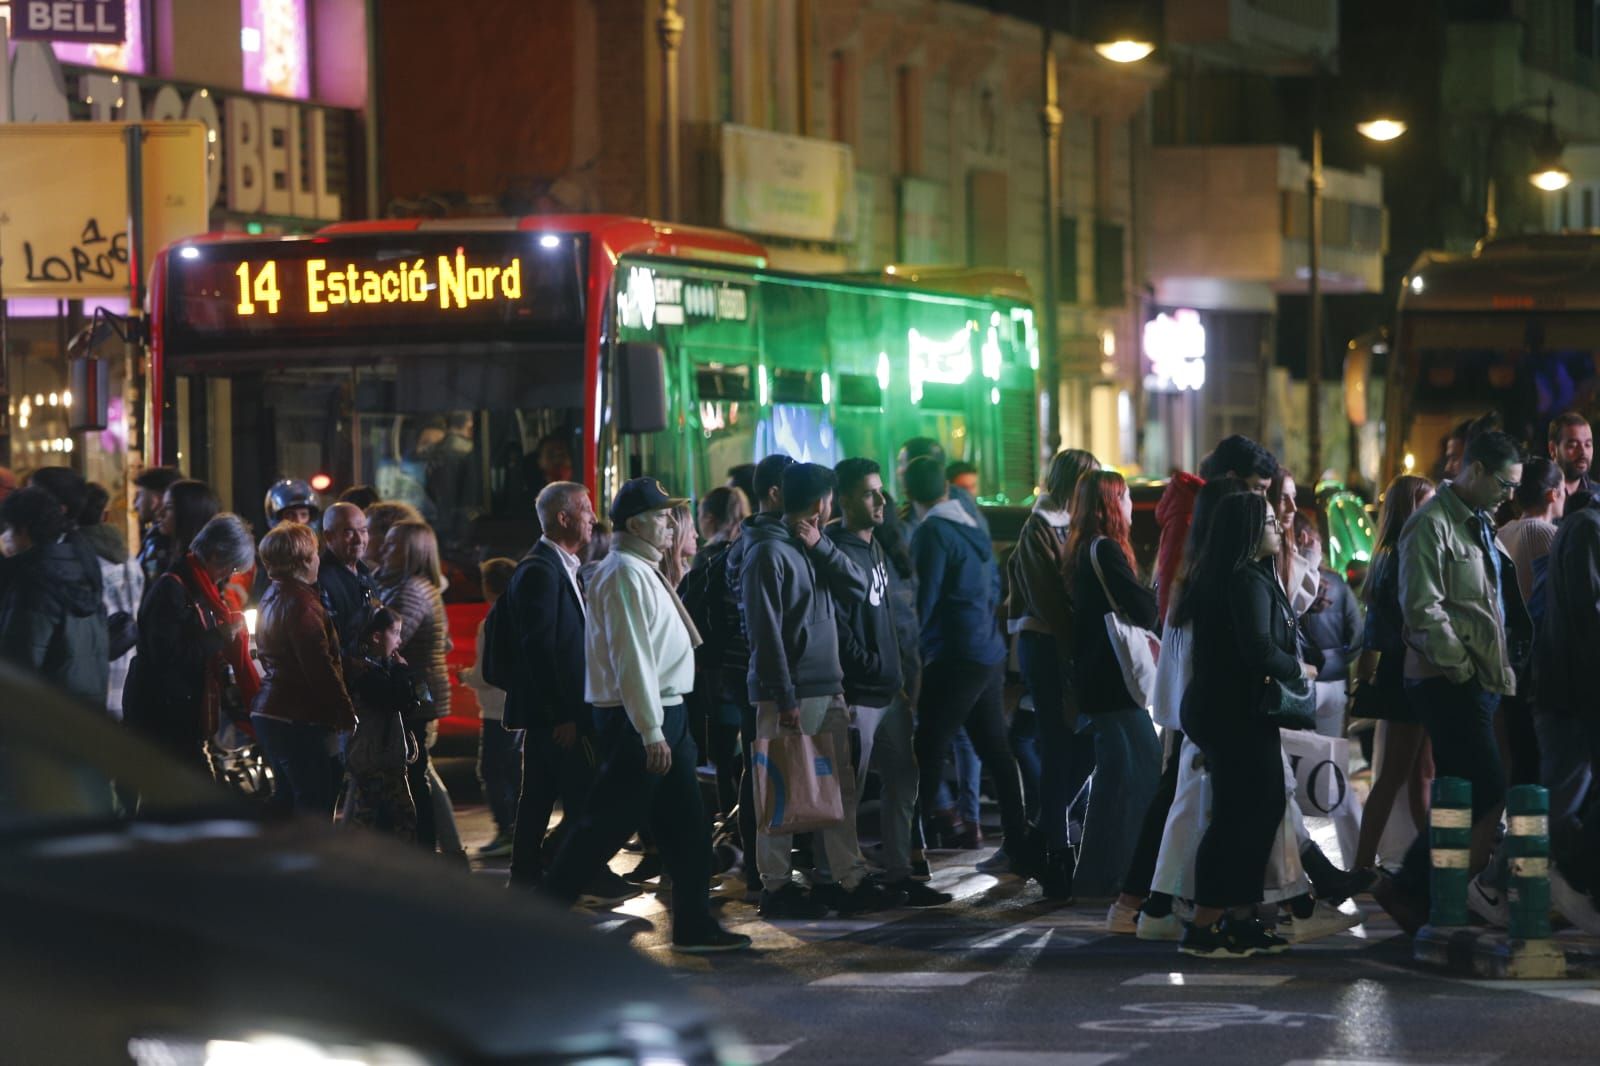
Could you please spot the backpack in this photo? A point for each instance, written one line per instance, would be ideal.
(502, 650)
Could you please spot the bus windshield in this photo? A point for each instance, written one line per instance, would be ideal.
(445, 370)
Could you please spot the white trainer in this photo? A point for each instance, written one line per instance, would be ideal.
(1487, 903)
(1122, 919)
(1576, 907)
(1324, 920)
(1168, 928)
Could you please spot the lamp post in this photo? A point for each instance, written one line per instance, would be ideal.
(1377, 128)
(669, 32)
(1548, 175)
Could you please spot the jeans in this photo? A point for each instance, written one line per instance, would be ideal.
(1025, 746)
(625, 796)
(300, 758)
(500, 772)
(1127, 768)
(1066, 755)
(1247, 802)
(956, 693)
(1460, 723)
(549, 773)
(886, 745)
(1569, 762)
(819, 716)
(966, 799)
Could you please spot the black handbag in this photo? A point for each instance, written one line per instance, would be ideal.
(1290, 705)
(122, 633)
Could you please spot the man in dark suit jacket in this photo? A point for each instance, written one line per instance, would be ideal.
(546, 611)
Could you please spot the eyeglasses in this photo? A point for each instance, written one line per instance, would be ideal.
(1507, 486)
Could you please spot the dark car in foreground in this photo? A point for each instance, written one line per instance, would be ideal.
(198, 932)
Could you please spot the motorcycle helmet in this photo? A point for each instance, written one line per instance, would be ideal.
(290, 492)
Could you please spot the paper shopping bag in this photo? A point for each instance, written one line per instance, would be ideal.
(797, 784)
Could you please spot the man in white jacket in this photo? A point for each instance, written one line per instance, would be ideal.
(639, 649)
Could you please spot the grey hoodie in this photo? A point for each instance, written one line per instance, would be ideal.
(788, 596)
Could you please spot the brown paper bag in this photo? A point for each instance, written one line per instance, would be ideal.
(796, 785)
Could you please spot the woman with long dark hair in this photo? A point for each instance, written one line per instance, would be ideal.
(186, 506)
(1244, 638)
(1127, 755)
(1041, 617)
(1400, 745)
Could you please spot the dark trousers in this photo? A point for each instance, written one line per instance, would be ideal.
(298, 753)
(422, 789)
(1460, 724)
(1066, 755)
(1247, 799)
(500, 772)
(723, 749)
(549, 773)
(1142, 867)
(957, 694)
(625, 795)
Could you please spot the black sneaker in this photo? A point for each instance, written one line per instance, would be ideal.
(1055, 874)
(1253, 935)
(711, 942)
(919, 894)
(920, 870)
(791, 903)
(1210, 942)
(866, 897)
(606, 889)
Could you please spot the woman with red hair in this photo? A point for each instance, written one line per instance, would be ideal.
(1127, 753)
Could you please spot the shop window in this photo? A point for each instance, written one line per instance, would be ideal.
(1067, 260)
(277, 53)
(129, 56)
(1110, 285)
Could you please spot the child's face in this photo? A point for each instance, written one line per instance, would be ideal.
(387, 641)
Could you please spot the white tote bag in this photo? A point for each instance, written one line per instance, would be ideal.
(1136, 648)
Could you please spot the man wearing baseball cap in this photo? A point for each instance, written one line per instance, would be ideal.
(639, 648)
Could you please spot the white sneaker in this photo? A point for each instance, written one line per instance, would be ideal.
(1325, 920)
(1122, 919)
(1168, 928)
(1488, 903)
(1576, 907)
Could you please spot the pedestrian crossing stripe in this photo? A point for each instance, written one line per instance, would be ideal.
(904, 979)
(1174, 979)
(999, 1057)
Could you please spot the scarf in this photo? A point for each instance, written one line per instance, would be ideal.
(642, 549)
(192, 573)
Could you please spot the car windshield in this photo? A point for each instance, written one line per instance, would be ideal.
(64, 769)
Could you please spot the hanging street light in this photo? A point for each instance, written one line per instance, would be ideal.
(1125, 50)
(1381, 129)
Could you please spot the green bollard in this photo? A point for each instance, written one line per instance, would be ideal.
(1527, 847)
(1450, 845)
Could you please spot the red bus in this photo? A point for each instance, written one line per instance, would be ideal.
(461, 364)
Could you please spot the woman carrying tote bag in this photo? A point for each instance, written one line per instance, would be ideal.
(1127, 752)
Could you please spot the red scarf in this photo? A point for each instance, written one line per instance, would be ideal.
(194, 576)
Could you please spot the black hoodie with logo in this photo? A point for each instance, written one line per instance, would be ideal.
(869, 649)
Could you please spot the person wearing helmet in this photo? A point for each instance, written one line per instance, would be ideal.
(291, 500)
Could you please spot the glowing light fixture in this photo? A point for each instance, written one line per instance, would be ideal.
(321, 482)
(1381, 129)
(1125, 50)
(827, 388)
(549, 240)
(189, 252)
(1552, 178)
(883, 371)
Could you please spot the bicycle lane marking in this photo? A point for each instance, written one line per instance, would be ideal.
(1183, 1017)
(1174, 979)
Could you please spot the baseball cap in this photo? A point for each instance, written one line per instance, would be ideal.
(639, 495)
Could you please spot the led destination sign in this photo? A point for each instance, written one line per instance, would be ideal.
(409, 288)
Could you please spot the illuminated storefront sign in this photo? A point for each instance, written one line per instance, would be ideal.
(1175, 348)
(82, 21)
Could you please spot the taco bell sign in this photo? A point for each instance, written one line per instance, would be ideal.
(83, 21)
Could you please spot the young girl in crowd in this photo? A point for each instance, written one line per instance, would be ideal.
(381, 749)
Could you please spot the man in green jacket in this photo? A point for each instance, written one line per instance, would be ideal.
(1459, 596)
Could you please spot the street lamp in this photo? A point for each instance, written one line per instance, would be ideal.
(1120, 36)
(1549, 174)
(1376, 128)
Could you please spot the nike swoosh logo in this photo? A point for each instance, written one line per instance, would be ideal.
(1489, 897)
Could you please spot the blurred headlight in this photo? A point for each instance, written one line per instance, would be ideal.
(266, 1049)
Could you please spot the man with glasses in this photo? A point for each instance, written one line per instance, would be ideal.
(1466, 630)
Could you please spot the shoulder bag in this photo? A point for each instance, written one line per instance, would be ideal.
(1290, 704)
(1135, 647)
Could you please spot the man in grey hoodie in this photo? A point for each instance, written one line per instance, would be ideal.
(789, 579)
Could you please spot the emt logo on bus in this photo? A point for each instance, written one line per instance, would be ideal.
(452, 280)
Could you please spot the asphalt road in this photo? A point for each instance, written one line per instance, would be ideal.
(1003, 978)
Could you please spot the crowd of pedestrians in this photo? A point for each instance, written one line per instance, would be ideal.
(1143, 764)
